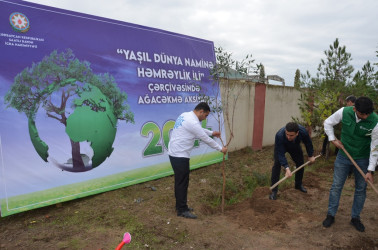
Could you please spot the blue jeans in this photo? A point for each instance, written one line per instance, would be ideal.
(342, 166)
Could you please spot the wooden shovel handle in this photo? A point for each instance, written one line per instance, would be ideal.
(284, 178)
(359, 169)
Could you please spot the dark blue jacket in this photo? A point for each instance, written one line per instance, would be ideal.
(283, 145)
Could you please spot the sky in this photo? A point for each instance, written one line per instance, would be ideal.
(283, 35)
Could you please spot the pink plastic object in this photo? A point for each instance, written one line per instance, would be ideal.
(126, 240)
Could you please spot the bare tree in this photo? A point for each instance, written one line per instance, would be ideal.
(230, 79)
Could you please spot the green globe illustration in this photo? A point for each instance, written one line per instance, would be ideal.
(93, 121)
(89, 106)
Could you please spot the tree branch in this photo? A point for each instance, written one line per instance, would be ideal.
(54, 117)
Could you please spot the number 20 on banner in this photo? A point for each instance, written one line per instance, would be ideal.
(154, 146)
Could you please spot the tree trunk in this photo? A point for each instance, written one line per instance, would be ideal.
(77, 161)
(224, 182)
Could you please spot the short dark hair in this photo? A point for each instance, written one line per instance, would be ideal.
(351, 98)
(364, 105)
(202, 106)
(292, 127)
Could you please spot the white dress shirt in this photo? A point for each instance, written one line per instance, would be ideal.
(186, 130)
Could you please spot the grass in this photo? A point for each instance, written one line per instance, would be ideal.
(21, 203)
(99, 221)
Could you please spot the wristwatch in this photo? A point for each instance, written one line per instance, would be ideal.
(371, 172)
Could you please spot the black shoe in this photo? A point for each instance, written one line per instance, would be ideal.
(356, 222)
(187, 214)
(189, 209)
(273, 196)
(328, 221)
(301, 188)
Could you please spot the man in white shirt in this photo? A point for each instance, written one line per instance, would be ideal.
(185, 131)
(359, 136)
(350, 100)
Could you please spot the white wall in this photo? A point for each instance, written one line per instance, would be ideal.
(281, 104)
(243, 115)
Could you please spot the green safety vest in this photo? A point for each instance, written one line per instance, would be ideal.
(356, 137)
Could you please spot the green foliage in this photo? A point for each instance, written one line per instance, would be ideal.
(306, 102)
(262, 179)
(59, 71)
(316, 106)
(324, 94)
(365, 83)
(297, 79)
(325, 104)
(262, 72)
(238, 192)
(109, 88)
(335, 70)
(239, 189)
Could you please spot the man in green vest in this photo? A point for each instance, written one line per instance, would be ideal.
(359, 136)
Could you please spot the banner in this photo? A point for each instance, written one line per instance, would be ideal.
(88, 103)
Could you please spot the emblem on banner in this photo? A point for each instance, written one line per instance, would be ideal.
(19, 22)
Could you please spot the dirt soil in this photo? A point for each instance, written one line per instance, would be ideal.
(293, 221)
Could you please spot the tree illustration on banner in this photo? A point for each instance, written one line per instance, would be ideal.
(87, 104)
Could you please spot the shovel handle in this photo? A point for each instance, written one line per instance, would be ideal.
(359, 169)
(284, 178)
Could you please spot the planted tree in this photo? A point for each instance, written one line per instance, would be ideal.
(229, 79)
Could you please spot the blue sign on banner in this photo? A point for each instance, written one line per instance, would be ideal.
(88, 103)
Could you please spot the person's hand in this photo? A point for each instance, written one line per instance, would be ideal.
(369, 177)
(311, 159)
(337, 143)
(224, 150)
(288, 173)
(216, 134)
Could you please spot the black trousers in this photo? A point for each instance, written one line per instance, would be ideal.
(296, 154)
(325, 143)
(181, 169)
(324, 147)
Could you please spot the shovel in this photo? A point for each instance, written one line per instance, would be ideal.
(359, 169)
(298, 168)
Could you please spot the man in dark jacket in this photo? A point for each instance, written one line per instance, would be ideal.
(288, 140)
